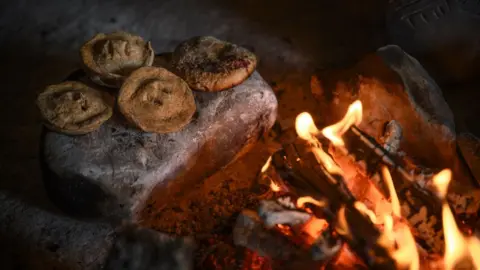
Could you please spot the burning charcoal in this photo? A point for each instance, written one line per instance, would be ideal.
(442, 33)
(326, 246)
(45, 240)
(112, 171)
(301, 171)
(392, 85)
(250, 232)
(273, 214)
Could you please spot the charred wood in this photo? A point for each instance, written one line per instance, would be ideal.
(251, 233)
(305, 177)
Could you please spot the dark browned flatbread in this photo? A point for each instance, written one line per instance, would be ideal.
(110, 58)
(156, 100)
(210, 64)
(74, 108)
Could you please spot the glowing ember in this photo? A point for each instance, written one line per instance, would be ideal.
(353, 117)
(314, 227)
(274, 186)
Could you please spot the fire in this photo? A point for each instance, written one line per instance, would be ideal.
(391, 189)
(267, 164)
(457, 246)
(397, 236)
(307, 199)
(305, 127)
(364, 209)
(407, 254)
(307, 130)
(352, 117)
(274, 186)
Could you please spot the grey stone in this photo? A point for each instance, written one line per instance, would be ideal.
(114, 170)
(441, 33)
(33, 238)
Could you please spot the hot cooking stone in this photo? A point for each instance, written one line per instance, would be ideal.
(112, 171)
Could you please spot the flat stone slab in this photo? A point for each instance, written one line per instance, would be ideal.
(112, 171)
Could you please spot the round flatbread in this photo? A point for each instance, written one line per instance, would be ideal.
(110, 58)
(210, 64)
(156, 100)
(74, 108)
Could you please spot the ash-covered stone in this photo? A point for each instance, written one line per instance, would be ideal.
(112, 171)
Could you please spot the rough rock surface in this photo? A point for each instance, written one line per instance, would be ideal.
(442, 34)
(112, 171)
(469, 146)
(47, 241)
(392, 85)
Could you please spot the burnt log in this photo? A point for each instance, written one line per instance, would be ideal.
(420, 204)
(250, 232)
(41, 240)
(112, 172)
(306, 177)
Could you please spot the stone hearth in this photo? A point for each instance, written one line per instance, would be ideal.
(40, 47)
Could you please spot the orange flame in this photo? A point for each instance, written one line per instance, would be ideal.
(396, 210)
(266, 165)
(342, 226)
(364, 209)
(306, 129)
(307, 199)
(352, 117)
(274, 186)
(407, 254)
(457, 246)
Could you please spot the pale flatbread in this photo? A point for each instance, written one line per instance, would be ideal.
(156, 100)
(74, 108)
(110, 58)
